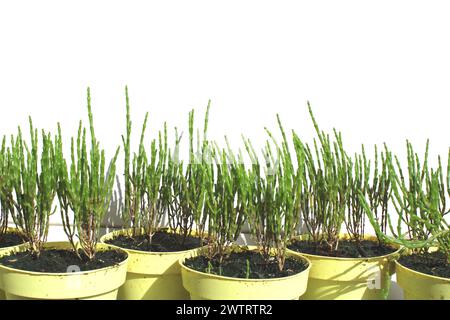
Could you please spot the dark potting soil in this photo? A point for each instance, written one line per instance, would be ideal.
(162, 241)
(346, 249)
(434, 263)
(58, 261)
(235, 266)
(10, 239)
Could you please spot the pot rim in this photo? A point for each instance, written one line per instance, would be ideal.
(366, 237)
(16, 231)
(134, 251)
(421, 274)
(68, 274)
(251, 248)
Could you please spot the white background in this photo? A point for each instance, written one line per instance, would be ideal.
(379, 71)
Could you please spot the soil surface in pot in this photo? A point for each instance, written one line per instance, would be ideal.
(162, 241)
(346, 249)
(10, 239)
(58, 261)
(246, 265)
(434, 263)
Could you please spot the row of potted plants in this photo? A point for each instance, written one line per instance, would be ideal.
(182, 219)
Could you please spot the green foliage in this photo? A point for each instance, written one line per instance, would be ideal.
(152, 198)
(145, 196)
(247, 271)
(132, 181)
(433, 203)
(185, 190)
(226, 195)
(375, 186)
(325, 187)
(273, 209)
(85, 188)
(171, 186)
(420, 202)
(358, 180)
(331, 183)
(6, 187)
(378, 190)
(28, 185)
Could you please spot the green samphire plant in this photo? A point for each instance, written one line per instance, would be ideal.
(184, 185)
(325, 190)
(330, 184)
(420, 202)
(145, 195)
(85, 187)
(333, 231)
(5, 185)
(164, 199)
(81, 268)
(159, 184)
(225, 200)
(419, 199)
(375, 186)
(264, 195)
(273, 206)
(28, 185)
(133, 167)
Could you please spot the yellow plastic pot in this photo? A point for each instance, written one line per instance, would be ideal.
(151, 275)
(205, 286)
(349, 278)
(7, 249)
(95, 284)
(420, 286)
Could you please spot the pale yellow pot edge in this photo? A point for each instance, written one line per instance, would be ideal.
(72, 285)
(213, 287)
(333, 278)
(420, 286)
(151, 275)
